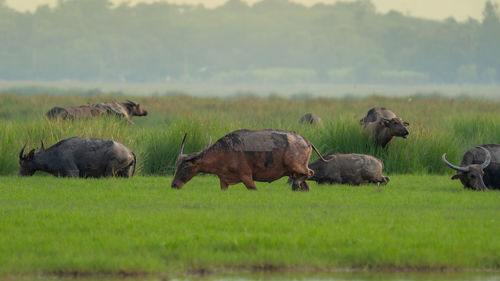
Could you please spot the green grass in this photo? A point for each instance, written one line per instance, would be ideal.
(437, 126)
(140, 225)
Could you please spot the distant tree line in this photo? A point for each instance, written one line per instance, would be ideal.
(272, 41)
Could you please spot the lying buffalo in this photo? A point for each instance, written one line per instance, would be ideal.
(381, 124)
(480, 167)
(79, 157)
(245, 156)
(125, 110)
(348, 169)
(310, 118)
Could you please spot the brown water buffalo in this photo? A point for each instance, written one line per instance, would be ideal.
(310, 118)
(125, 110)
(348, 169)
(480, 167)
(382, 125)
(79, 157)
(246, 155)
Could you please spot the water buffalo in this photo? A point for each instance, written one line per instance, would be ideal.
(381, 124)
(480, 167)
(310, 118)
(125, 110)
(246, 155)
(79, 157)
(348, 169)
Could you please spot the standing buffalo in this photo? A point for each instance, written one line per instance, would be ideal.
(382, 124)
(310, 118)
(348, 169)
(79, 157)
(125, 110)
(480, 167)
(245, 156)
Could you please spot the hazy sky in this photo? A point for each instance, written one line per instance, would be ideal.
(433, 9)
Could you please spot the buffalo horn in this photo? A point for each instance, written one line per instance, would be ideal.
(209, 143)
(182, 146)
(457, 168)
(42, 147)
(488, 158)
(131, 102)
(21, 154)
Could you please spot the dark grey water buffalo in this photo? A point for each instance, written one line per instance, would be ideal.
(382, 125)
(310, 118)
(247, 156)
(348, 169)
(125, 110)
(480, 167)
(79, 157)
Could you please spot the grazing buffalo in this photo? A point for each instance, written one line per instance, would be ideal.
(79, 157)
(480, 167)
(125, 110)
(348, 169)
(245, 156)
(381, 124)
(310, 118)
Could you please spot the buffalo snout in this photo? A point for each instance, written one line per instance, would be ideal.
(405, 133)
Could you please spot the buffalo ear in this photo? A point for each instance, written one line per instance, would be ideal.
(385, 122)
(406, 123)
(455, 177)
(30, 155)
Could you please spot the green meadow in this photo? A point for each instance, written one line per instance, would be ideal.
(142, 226)
(420, 221)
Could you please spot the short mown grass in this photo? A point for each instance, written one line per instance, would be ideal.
(140, 225)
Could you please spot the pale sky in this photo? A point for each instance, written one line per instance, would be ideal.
(431, 9)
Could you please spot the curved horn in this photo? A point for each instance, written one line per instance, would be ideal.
(209, 143)
(182, 146)
(457, 168)
(21, 154)
(42, 147)
(488, 158)
(131, 102)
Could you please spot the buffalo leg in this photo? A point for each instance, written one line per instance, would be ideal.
(72, 173)
(248, 182)
(223, 184)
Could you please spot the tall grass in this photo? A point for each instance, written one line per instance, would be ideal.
(437, 126)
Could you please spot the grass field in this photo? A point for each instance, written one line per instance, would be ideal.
(420, 221)
(436, 126)
(51, 226)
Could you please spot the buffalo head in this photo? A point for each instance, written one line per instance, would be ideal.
(397, 126)
(471, 175)
(135, 109)
(27, 165)
(187, 165)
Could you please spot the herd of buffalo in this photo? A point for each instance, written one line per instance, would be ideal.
(247, 155)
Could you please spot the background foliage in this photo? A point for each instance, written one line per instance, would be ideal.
(273, 41)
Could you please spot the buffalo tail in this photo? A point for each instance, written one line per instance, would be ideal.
(135, 161)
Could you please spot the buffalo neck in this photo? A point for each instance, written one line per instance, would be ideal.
(383, 135)
(208, 161)
(43, 162)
